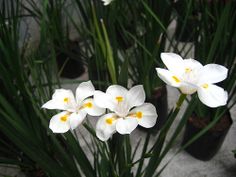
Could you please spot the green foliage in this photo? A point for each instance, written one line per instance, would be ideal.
(26, 81)
(121, 43)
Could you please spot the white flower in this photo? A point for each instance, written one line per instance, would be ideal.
(74, 110)
(190, 76)
(106, 2)
(123, 118)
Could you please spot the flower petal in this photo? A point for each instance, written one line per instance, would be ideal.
(136, 96)
(84, 90)
(91, 108)
(76, 119)
(61, 99)
(103, 100)
(106, 126)
(106, 2)
(59, 123)
(213, 73)
(126, 126)
(212, 95)
(173, 62)
(168, 77)
(188, 88)
(145, 114)
(192, 64)
(117, 91)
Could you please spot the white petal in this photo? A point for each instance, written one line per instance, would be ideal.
(116, 91)
(136, 96)
(106, 126)
(173, 62)
(146, 115)
(188, 88)
(60, 122)
(51, 104)
(103, 100)
(168, 77)
(91, 108)
(118, 102)
(126, 126)
(122, 109)
(212, 95)
(192, 64)
(213, 73)
(61, 99)
(84, 90)
(106, 2)
(76, 119)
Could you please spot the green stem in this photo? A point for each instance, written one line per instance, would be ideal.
(180, 101)
(174, 113)
(158, 146)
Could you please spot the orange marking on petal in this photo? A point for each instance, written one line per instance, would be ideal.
(88, 105)
(139, 115)
(66, 100)
(176, 79)
(205, 86)
(119, 98)
(64, 118)
(188, 70)
(109, 120)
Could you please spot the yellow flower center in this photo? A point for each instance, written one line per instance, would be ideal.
(176, 79)
(64, 118)
(66, 100)
(109, 120)
(205, 86)
(139, 115)
(188, 70)
(119, 98)
(88, 105)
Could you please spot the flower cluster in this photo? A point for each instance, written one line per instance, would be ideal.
(74, 109)
(126, 109)
(190, 76)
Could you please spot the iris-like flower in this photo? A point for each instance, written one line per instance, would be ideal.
(106, 2)
(190, 76)
(74, 109)
(128, 111)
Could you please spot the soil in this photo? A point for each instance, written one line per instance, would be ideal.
(221, 125)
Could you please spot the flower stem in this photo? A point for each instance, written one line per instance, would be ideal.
(180, 100)
(159, 144)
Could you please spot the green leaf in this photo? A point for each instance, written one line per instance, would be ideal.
(109, 55)
(80, 156)
(123, 76)
(154, 16)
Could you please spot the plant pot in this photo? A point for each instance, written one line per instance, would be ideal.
(69, 63)
(159, 100)
(205, 147)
